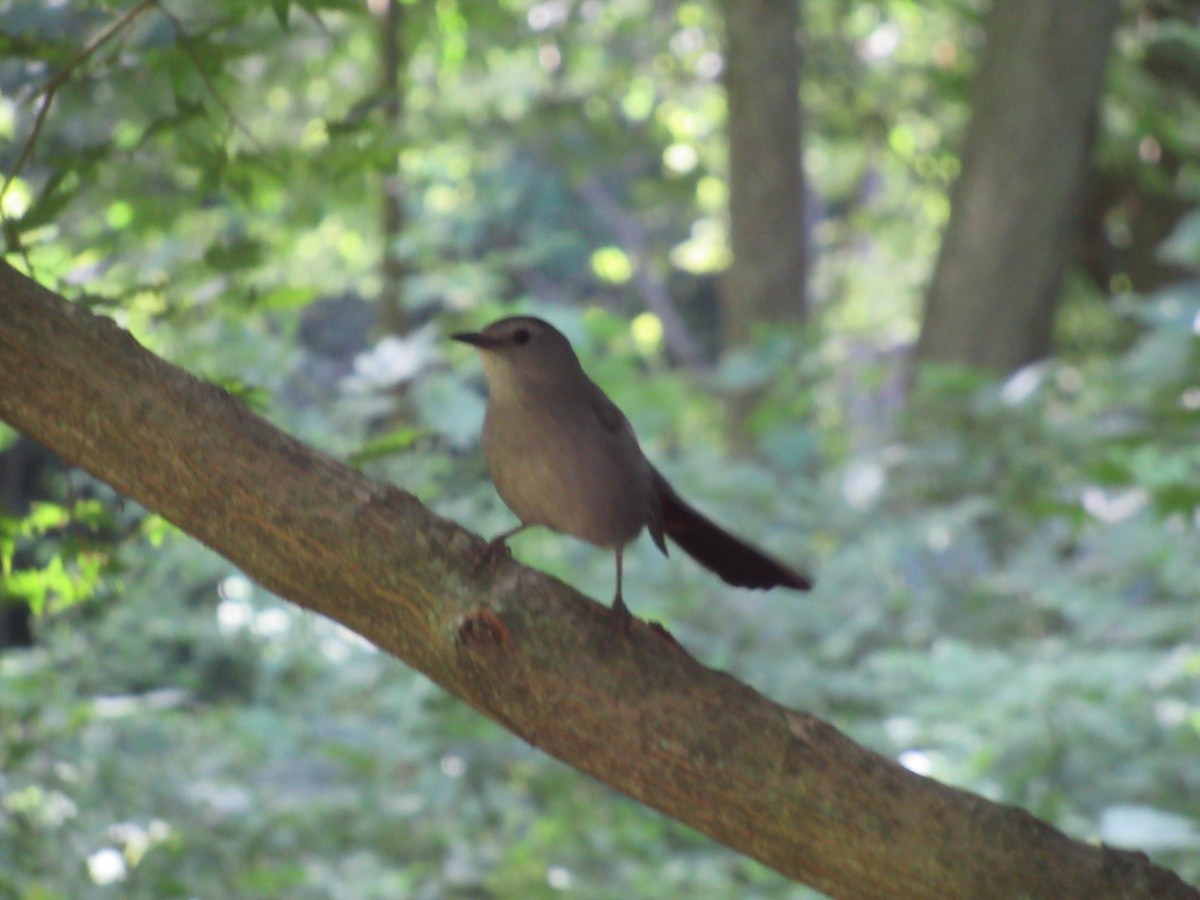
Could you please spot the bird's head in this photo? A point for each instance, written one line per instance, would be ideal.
(523, 354)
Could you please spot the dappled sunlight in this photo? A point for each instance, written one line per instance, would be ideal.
(1006, 560)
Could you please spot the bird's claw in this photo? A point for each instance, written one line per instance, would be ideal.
(497, 548)
(622, 618)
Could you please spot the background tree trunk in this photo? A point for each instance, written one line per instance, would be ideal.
(766, 281)
(393, 317)
(634, 710)
(22, 467)
(1016, 206)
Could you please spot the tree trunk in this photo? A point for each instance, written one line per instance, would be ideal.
(1016, 207)
(766, 281)
(20, 467)
(634, 710)
(393, 270)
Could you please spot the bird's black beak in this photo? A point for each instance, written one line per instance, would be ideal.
(475, 339)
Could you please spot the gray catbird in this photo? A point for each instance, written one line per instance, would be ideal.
(562, 455)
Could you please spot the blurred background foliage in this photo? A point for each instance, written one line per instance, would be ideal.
(1008, 570)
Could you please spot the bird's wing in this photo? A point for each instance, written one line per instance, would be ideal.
(609, 415)
(615, 423)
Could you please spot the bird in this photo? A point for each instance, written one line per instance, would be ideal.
(563, 456)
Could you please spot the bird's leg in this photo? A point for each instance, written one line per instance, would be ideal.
(500, 541)
(499, 545)
(622, 617)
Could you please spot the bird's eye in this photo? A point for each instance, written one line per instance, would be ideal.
(521, 336)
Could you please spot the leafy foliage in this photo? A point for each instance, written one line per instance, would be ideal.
(1007, 576)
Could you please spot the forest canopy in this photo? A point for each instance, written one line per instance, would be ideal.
(300, 201)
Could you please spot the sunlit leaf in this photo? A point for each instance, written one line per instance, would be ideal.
(386, 445)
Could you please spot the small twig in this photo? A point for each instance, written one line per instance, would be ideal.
(20, 246)
(185, 41)
(107, 33)
(653, 288)
(48, 90)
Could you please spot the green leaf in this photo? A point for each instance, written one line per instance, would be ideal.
(155, 529)
(256, 397)
(393, 442)
(286, 297)
(240, 253)
(59, 191)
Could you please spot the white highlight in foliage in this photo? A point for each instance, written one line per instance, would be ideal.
(881, 43)
(392, 361)
(1022, 384)
(271, 622)
(901, 729)
(548, 15)
(235, 587)
(106, 866)
(916, 761)
(1116, 506)
(233, 615)
(862, 484)
(234, 611)
(559, 878)
(1147, 828)
(938, 538)
(1171, 712)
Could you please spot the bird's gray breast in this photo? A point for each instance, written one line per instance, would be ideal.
(559, 465)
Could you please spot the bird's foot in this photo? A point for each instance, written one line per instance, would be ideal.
(496, 548)
(622, 617)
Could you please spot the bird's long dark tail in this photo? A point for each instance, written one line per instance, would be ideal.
(728, 557)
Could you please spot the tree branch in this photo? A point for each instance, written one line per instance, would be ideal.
(522, 648)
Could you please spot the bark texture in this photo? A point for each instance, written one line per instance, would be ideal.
(766, 281)
(1016, 208)
(635, 711)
